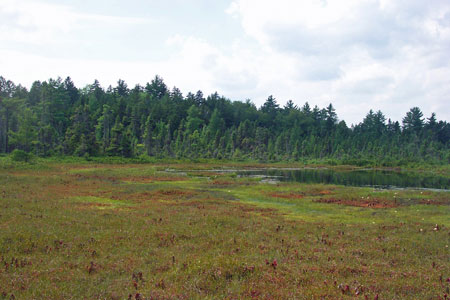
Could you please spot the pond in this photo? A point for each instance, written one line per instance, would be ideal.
(371, 178)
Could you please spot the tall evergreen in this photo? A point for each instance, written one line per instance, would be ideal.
(55, 117)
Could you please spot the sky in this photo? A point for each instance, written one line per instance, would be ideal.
(388, 55)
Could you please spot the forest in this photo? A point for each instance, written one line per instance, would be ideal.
(55, 118)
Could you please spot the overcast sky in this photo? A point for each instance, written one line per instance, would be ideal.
(387, 55)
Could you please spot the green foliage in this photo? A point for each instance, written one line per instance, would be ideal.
(193, 119)
(21, 156)
(56, 118)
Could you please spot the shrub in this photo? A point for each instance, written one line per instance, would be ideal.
(20, 155)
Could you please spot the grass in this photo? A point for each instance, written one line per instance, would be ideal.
(135, 231)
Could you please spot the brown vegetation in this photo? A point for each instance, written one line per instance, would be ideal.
(360, 202)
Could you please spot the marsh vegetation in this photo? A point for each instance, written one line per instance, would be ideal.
(165, 231)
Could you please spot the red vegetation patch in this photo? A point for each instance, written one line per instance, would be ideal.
(153, 179)
(222, 182)
(68, 189)
(287, 195)
(371, 203)
(431, 202)
(325, 192)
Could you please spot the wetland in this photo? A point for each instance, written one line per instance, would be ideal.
(195, 231)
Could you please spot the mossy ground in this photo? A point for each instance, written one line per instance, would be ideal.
(96, 231)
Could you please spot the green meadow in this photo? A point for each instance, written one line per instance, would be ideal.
(72, 230)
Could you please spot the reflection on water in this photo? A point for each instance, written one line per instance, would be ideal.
(375, 178)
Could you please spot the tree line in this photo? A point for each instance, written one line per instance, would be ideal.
(56, 118)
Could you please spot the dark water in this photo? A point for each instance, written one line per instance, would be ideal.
(373, 178)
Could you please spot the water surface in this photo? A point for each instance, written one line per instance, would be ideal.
(372, 178)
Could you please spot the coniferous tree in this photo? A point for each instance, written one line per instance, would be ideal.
(55, 117)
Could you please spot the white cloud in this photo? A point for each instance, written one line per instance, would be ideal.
(380, 53)
(42, 23)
